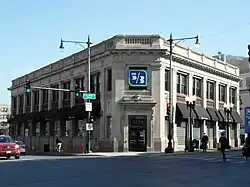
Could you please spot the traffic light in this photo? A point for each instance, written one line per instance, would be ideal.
(27, 86)
(248, 53)
(77, 90)
(91, 119)
(168, 109)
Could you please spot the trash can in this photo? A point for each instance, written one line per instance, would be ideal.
(46, 148)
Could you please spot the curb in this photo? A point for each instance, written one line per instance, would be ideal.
(137, 155)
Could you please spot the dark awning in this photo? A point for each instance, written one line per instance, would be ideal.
(224, 115)
(213, 114)
(236, 117)
(220, 116)
(201, 112)
(185, 112)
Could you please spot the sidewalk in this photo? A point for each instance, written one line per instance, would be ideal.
(122, 154)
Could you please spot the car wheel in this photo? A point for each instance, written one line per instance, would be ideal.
(17, 156)
(7, 157)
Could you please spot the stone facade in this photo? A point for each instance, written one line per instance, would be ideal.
(5, 112)
(110, 63)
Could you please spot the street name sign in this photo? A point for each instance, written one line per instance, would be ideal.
(91, 96)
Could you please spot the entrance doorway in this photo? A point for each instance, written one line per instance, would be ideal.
(138, 133)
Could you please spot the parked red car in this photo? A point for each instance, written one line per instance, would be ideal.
(8, 147)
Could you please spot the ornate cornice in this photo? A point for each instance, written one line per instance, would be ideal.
(203, 67)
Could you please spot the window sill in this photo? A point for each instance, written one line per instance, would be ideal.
(142, 92)
(210, 100)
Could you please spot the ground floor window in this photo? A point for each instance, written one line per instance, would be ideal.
(197, 129)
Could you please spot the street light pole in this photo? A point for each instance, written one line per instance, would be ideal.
(89, 91)
(89, 78)
(228, 110)
(190, 101)
(170, 148)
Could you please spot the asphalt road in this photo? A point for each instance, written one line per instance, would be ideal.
(149, 171)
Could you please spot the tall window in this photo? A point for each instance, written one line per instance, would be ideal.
(109, 80)
(241, 83)
(66, 95)
(210, 90)
(80, 83)
(36, 97)
(197, 87)
(181, 83)
(232, 95)
(28, 99)
(14, 100)
(167, 72)
(222, 93)
(21, 101)
(55, 94)
(45, 96)
(95, 83)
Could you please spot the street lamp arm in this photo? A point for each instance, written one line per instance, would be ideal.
(177, 43)
(186, 38)
(182, 39)
(76, 42)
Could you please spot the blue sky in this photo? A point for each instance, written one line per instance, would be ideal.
(31, 30)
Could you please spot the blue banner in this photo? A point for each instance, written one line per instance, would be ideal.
(138, 78)
(247, 120)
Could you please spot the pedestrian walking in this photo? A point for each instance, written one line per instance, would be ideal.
(246, 147)
(223, 144)
(204, 142)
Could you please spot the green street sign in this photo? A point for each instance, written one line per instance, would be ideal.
(89, 96)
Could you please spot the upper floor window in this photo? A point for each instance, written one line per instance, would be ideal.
(197, 87)
(66, 95)
(14, 102)
(222, 93)
(138, 78)
(45, 96)
(167, 84)
(80, 83)
(109, 80)
(36, 97)
(28, 99)
(181, 83)
(21, 101)
(95, 83)
(210, 90)
(232, 95)
(55, 93)
(247, 81)
(241, 83)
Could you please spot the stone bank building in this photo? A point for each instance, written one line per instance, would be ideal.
(129, 74)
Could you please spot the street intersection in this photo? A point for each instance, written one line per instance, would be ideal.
(203, 169)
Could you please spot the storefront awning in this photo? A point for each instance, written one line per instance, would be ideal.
(224, 116)
(184, 111)
(236, 117)
(213, 114)
(201, 112)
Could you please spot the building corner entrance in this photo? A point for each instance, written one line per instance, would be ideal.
(137, 133)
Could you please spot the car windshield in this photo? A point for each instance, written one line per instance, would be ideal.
(19, 142)
(6, 140)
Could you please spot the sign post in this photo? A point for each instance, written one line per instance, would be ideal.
(247, 119)
(138, 78)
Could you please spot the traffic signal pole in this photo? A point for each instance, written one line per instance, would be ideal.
(55, 89)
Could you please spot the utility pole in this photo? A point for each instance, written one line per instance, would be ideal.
(89, 91)
(170, 147)
(89, 96)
